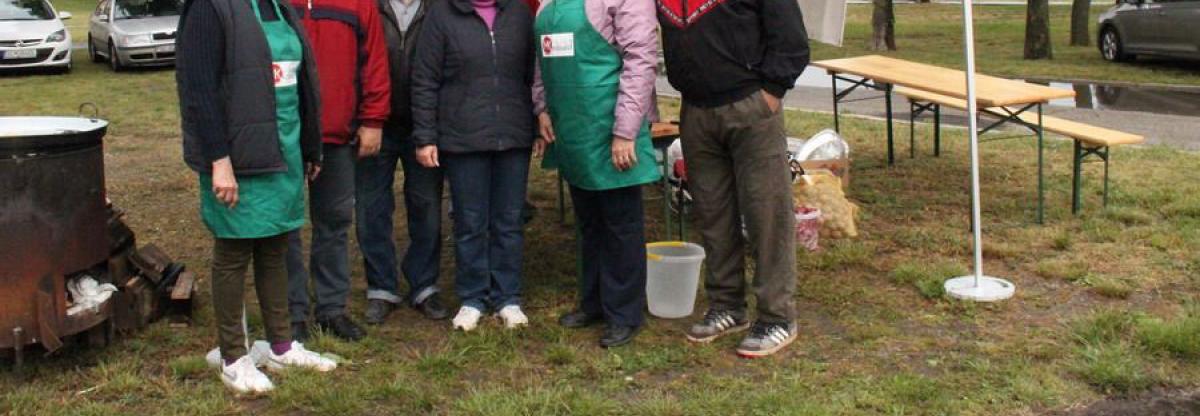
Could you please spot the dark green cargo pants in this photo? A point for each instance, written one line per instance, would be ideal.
(231, 257)
(737, 168)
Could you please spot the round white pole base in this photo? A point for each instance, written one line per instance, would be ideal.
(989, 289)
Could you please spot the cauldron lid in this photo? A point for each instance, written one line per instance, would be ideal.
(35, 133)
(47, 126)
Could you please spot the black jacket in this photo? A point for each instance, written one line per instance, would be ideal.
(227, 92)
(401, 51)
(471, 89)
(721, 51)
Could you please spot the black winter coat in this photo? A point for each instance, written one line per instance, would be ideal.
(471, 88)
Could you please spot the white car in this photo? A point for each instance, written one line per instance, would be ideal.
(32, 35)
(133, 32)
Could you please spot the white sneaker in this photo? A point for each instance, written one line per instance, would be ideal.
(300, 357)
(257, 354)
(513, 317)
(467, 318)
(243, 377)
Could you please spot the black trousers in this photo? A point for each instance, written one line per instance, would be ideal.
(613, 254)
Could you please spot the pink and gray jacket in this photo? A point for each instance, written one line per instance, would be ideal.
(631, 26)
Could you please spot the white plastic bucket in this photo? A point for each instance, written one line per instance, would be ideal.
(672, 277)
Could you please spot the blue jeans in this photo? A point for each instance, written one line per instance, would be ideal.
(488, 192)
(375, 208)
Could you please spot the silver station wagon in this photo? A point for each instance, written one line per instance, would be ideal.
(1166, 28)
(134, 32)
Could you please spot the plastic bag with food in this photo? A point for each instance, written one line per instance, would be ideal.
(822, 190)
(808, 228)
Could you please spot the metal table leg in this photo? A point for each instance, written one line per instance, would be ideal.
(666, 192)
(1106, 155)
(836, 124)
(937, 130)
(887, 97)
(1076, 177)
(1041, 204)
(562, 200)
(679, 203)
(912, 127)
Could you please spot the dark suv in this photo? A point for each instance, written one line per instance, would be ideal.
(1169, 28)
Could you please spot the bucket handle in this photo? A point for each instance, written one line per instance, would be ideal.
(657, 257)
(95, 110)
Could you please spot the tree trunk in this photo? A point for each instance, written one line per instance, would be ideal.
(1037, 30)
(883, 26)
(1079, 22)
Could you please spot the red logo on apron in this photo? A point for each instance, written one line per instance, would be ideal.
(278, 71)
(547, 45)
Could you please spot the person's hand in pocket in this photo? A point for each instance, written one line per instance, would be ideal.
(773, 102)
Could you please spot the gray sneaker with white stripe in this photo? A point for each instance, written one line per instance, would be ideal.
(766, 339)
(717, 323)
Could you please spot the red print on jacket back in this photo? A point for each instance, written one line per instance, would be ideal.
(684, 12)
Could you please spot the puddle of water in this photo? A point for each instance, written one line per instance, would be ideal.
(1158, 100)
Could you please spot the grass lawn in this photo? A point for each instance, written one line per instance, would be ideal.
(1108, 304)
(932, 33)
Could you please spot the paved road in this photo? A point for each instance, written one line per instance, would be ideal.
(1181, 132)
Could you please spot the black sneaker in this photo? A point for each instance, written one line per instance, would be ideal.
(378, 311)
(766, 339)
(618, 335)
(717, 323)
(432, 308)
(579, 319)
(342, 327)
(300, 331)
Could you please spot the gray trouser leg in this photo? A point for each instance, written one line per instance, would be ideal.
(737, 159)
(331, 200)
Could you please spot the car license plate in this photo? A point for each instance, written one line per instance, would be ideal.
(165, 49)
(20, 54)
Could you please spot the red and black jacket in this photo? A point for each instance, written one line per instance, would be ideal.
(721, 51)
(352, 63)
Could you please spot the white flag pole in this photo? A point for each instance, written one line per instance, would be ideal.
(976, 287)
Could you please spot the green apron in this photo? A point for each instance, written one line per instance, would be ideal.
(273, 203)
(582, 84)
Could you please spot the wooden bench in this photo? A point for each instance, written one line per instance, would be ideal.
(1089, 140)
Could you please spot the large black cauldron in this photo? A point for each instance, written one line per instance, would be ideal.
(52, 223)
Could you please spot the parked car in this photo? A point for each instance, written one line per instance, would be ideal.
(32, 35)
(134, 32)
(1150, 27)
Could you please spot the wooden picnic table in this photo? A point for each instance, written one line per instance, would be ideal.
(882, 73)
